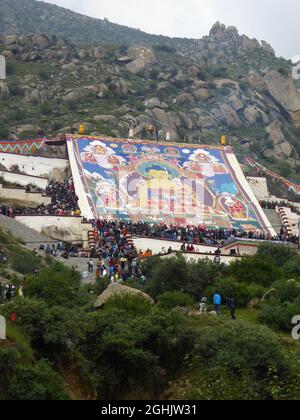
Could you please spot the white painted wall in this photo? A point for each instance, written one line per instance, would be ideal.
(156, 245)
(70, 223)
(22, 195)
(259, 186)
(24, 180)
(196, 257)
(33, 165)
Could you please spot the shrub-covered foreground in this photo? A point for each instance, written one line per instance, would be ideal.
(133, 349)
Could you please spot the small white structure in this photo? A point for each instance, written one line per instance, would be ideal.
(2, 328)
(2, 68)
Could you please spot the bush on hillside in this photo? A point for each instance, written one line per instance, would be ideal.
(247, 353)
(230, 288)
(170, 300)
(280, 254)
(135, 350)
(261, 270)
(279, 316)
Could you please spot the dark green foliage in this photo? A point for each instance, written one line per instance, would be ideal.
(35, 381)
(166, 275)
(230, 288)
(4, 133)
(279, 316)
(251, 354)
(280, 254)
(260, 269)
(135, 348)
(38, 382)
(24, 262)
(56, 285)
(170, 300)
(175, 274)
(292, 267)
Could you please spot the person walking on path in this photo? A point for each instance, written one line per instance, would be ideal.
(203, 306)
(91, 266)
(232, 306)
(217, 303)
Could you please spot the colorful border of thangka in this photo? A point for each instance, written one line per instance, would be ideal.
(21, 147)
(174, 183)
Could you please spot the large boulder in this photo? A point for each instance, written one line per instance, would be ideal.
(136, 66)
(185, 99)
(165, 120)
(152, 103)
(142, 52)
(105, 118)
(116, 289)
(40, 41)
(284, 90)
(120, 87)
(252, 114)
(281, 147)
(103, 91)
(202, 94)
(99, 53)
(142, 56)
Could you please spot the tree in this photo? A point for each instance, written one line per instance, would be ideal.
(57, 285)
(280, 254)
(260, 270)
(167, 275)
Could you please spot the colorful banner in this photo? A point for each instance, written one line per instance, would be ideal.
(289, 185)
(22, 147)
(179, 184)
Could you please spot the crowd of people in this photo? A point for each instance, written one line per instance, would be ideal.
(195, 235)
(272, 205)
(117, 256)
(64, 202)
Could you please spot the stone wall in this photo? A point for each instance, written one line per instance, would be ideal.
(24, 180)
(63, 228)
(21, 195)
(35, 165)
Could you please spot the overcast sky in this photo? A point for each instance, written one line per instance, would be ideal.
(275, 21)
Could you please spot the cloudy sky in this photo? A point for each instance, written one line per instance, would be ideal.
(275, 21)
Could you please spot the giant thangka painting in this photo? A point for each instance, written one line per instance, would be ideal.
(156, 182)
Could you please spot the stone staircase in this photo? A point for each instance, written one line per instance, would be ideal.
(274, 219)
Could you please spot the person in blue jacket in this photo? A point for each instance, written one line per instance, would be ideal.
(217, 303)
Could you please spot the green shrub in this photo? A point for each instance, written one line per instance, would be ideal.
(292, 267)
(279, 316)
(248, 353)
(169, 300)
(287, 291)
(230, 288)
(260, 270)
(57, 285)
(38, 382)
(24, 262)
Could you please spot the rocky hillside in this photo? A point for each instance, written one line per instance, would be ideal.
(31, 16)
(188, 90)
